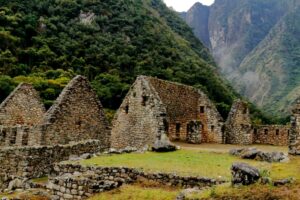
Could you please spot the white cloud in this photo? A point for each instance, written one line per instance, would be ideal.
(184, 5)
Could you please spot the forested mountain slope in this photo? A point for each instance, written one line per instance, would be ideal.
(111, 42)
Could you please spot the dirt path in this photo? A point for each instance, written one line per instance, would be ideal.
(223, 148)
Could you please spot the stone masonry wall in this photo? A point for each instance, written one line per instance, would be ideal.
(22, 107)
(14, 136)
(238, 124)
(294, 137)
(184, 105)
(77, 182)
(140, 120)
(76, 115)
(34, 162)
(271, 134)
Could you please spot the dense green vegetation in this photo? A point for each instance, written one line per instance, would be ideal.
(47, 42)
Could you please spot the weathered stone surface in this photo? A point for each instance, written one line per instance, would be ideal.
(253, 153)
(34, 162)
(244, 174)
(272, 157)
(249, 153)
(282, 182)
(294, 137)
(163, 145)
(107, 178)
(76, 115)
(238, 124)
(150, 110)
(22, 107)
(271, 134)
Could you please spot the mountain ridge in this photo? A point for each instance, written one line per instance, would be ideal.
(239, 32)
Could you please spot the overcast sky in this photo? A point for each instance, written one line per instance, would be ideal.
(184, 5)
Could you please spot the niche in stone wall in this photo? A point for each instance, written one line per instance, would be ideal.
(126, 109)
(266, 131)
(25, 137)
(178, 127)
(277, 132)
(202, 109)
(13, 136)
(3, 136)
(144, 100)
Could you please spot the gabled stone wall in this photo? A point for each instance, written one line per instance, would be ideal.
(141, 119)
(271, 134)
(238, 127)
(294, 137)
(76, 115)
(22, 107)
(186, 104)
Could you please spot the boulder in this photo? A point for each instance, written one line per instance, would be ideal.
(249, 153)
(272, 157)
(15, 184)
(282, 182)
(163, 145)
(244, 174)
(236, 152)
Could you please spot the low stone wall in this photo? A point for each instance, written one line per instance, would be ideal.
(34, 162)
(78, 182)
(271, 134)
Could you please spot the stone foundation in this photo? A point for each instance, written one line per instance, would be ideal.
(35, 162)
(78, 182)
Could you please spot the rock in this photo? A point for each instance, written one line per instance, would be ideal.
(236, 152)
(244, 174)
(85, 156)
(113, 151)
(163, 145)
(15, 184)
(272, 157)
(265, 180)
(282, 182)
(249, 153)
(73, 158)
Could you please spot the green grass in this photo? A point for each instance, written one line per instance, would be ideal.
(183, 162)
(135, 192)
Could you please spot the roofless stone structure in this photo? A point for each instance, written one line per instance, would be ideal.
(294, 137)
(22, 107)
(154, 107)
(76, 115)
(238, 124)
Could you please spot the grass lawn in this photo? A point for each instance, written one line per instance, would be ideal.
(137, 192)
(183, 162)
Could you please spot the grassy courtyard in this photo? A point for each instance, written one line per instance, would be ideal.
(193, 161)
(202, 160)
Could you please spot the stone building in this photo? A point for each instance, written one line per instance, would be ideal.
(271, 134)
(238, 128)
(22, 107)
(154, 107)
(76, 115)
(294, 137)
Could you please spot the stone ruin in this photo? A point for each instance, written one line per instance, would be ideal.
(294, 137)
(238, 124)
(240, 130)
(22, 107)
(155, 107)
(76, 115)
(33, 140)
